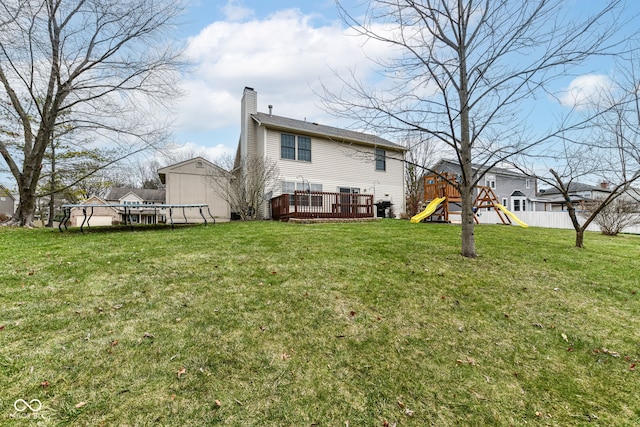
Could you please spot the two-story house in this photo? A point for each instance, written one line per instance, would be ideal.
(146, 198)
(342, 172)
(144, 202)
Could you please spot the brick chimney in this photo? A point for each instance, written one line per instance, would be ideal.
(604, 184)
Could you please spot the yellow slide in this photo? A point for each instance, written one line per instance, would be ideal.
(511, 215)
(429, 210)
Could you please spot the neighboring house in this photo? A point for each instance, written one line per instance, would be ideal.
(189, 182)
(327, 162)
(552, 200)
(137, 196)
(513, 189)
(99, 216)
(7, 202)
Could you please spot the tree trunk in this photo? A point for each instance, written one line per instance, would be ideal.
(52, 188)
(27, 181)
(466, 145)
(26, 208)
(468, 224)
(576, 224)
(580, 238)
(52, 209)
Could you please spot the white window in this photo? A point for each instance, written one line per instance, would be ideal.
(519, 204)
(527, 183)
(505, 202)
(490, 181)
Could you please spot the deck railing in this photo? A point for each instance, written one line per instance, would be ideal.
(315, 204)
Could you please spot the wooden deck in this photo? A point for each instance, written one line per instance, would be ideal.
(304, 204)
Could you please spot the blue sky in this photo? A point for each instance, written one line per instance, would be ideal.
(281, 48)
(284, 49)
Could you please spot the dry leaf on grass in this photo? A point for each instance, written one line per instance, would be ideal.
(607, 351)
(182, 372)
(469, 361)
(81, 404)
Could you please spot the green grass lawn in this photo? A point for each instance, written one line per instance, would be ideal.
(274, 324)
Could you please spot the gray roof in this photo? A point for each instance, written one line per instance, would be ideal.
(147, 195)
(575, 187)
(332, 133)
(440, 167)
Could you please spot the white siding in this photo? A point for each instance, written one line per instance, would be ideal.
(337, 165)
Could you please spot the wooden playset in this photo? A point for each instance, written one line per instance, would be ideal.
(443, 201)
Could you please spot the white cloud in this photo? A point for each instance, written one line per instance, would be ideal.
(234, 12)
(284, 57)
(587, 90)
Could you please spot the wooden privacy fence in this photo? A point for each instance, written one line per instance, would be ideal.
(315, 204)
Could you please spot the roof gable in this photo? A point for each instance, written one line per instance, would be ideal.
(190, 166)
(323, 131)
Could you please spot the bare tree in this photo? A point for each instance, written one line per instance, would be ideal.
(419, 157)
(608, 150)
(9, 11)
(462, 71)
(245, 187)
(98, 66)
